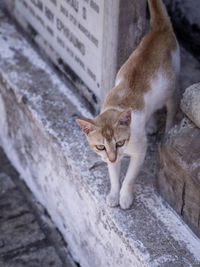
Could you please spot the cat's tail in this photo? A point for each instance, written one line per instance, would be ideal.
(159, 18)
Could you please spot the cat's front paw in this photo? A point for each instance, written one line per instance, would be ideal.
(112, 200)
(126, 200)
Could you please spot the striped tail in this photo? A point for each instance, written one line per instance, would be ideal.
(159, 18)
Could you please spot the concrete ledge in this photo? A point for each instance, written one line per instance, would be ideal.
(39, 135)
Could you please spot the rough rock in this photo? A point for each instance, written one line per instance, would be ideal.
(190, 103)
(178, 172)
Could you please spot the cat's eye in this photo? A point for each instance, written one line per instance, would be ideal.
(120, 143)
(100, 147)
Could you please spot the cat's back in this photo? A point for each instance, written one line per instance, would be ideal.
(155, 51)
(158, 52)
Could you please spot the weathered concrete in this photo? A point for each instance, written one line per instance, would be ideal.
(38, 132)
(27, 237)
(178, 176)
(190, 103)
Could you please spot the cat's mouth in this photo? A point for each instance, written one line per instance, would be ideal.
(112, 160)
(109, 160)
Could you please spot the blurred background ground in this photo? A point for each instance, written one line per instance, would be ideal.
(27, 236)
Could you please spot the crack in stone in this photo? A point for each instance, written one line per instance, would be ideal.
(183, 200)
(17, 215)
(35, 246)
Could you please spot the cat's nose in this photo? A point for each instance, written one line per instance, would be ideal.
(112, 158)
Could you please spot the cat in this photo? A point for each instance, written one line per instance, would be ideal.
(144, 84)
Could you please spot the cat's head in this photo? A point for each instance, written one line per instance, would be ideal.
(108, 134)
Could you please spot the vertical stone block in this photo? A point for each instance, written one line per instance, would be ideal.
(178, 172)
(87, 39)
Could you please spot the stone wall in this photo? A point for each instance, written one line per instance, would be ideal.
(178, 175)
(87, 40)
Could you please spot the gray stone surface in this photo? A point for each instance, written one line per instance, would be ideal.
(190, 103)
(178, 175)
(24, 236)
(40, 136)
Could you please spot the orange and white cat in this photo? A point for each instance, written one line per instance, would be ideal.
(145, 83)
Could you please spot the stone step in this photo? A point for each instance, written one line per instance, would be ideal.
(42, 140)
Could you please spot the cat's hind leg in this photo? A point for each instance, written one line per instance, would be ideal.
(151, 126)
(112, 198)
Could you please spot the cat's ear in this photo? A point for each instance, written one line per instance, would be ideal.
(86, 125)
(125, 117)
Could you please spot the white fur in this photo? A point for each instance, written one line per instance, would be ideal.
(151, 125)
(114, 172)
(156, 98)
(136, 148)
(137, 131)
(121, 94)
(118, 80)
